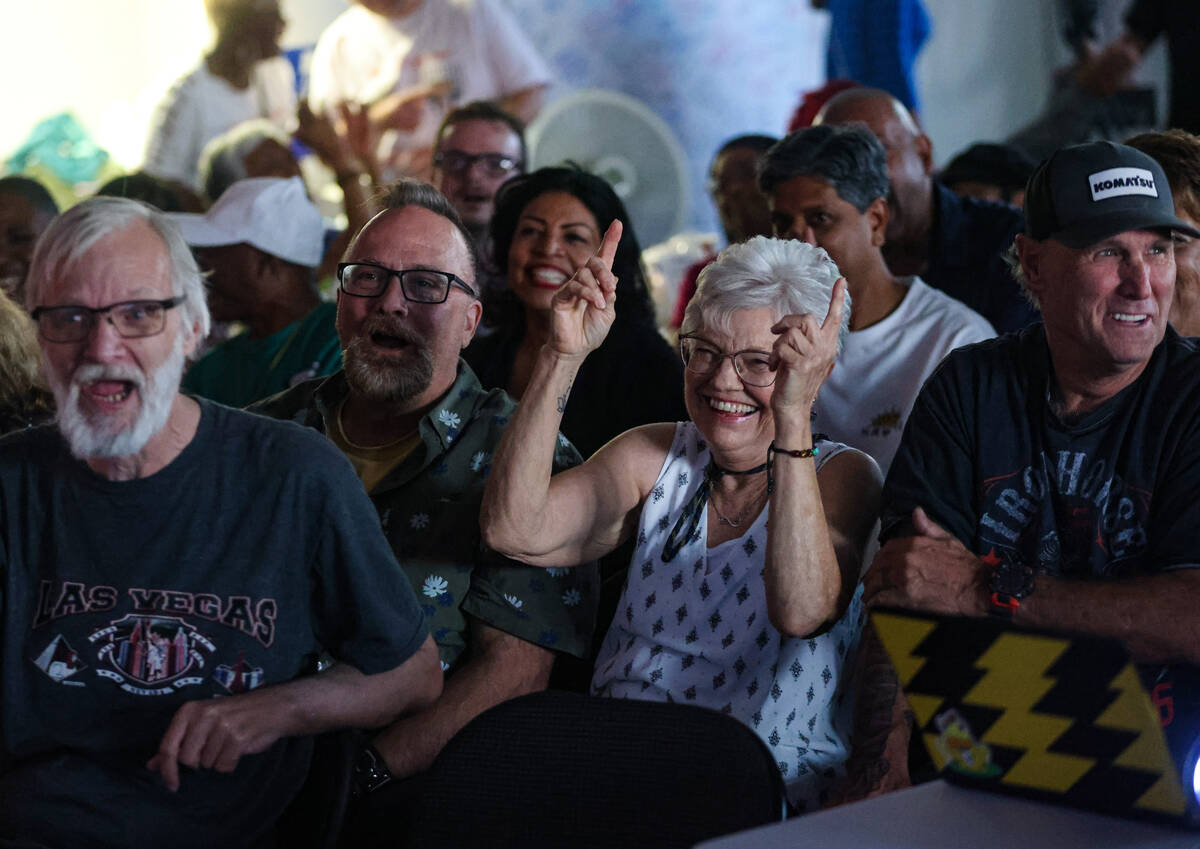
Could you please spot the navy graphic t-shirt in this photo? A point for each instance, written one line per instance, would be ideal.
(228, 570)
(1112, 495)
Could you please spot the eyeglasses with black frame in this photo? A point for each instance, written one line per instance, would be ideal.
(459, 162)
(419, 285)
(704, 358)
(132, 319)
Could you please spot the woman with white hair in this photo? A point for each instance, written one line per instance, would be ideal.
(750, 530)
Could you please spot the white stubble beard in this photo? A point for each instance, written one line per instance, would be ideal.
(96, 440)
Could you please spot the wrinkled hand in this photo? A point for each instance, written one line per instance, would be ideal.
(803, 356)
(929, 571)
(583, 309)
(216, 733)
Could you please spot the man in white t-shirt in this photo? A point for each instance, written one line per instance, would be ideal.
(828, 186)
(241, 79)
(410, 61)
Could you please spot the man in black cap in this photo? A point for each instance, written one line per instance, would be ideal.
(1050, 477)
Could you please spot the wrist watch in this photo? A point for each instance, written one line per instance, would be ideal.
(1012, 581)
(370, 772)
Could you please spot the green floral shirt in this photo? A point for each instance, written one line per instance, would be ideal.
(429, 509)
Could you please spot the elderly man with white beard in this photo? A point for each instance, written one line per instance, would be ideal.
(169, 570)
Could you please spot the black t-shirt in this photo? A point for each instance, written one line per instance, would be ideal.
(1113, 495)
(230, 569)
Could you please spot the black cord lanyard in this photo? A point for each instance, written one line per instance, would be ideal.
(687, 526)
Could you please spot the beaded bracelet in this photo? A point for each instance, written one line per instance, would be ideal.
(799, 453)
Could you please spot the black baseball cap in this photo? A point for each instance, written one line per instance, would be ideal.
(1085, 193)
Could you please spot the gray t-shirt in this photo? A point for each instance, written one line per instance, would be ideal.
(228, 570)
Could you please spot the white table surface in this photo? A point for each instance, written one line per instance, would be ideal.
(938, 815)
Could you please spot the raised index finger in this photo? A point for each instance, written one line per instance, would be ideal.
(837, 306)
(608, 247)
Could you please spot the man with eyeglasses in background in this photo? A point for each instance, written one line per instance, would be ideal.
(478, 146)
(420, 431)
(171, 569)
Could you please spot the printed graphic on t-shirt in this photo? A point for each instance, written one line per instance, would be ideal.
(1071, 515)
(152, 655)
(155, 649)
(239, 678)
(884, 423)
(60, 661)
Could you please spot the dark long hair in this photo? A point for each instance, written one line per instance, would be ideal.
(633, 295)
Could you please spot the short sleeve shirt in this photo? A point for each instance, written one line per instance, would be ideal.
(230, 569)
(429, 509)
(1111, 495)
(242, 370)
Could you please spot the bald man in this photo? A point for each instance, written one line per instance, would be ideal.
(955, 244)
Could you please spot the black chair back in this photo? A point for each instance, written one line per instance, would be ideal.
(558, 769)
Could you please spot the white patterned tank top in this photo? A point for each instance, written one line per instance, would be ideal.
(695, 630)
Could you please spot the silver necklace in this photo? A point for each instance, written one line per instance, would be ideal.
(734, 523)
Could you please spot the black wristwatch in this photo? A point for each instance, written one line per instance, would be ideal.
(1012, 581)
(370, 772)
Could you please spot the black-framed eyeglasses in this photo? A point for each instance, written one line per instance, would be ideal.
(459, 162)
(704, 358)
(132, 319)
(419, 285)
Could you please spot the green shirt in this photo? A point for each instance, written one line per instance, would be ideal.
(429, 508)
(243, 370)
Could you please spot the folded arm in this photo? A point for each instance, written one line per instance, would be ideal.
(1154, 615)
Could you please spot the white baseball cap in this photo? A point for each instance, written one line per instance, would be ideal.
(272, 214)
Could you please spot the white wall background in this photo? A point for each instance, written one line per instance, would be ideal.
(983, 73)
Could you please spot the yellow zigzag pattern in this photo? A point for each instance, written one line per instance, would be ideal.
(1019, 687)
(1132, 711)
(1016, 680)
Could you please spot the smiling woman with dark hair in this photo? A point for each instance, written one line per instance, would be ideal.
(546, 225)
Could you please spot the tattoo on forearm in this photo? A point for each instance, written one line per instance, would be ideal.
(562, 399)
(874, 718)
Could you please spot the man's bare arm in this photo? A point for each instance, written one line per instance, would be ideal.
(216, 733)
(1156, 616)
(500, 667)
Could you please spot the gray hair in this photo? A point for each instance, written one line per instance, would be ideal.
(223, 160)
(409, 192)
(75, 232)
(847, 157)
(1012, 259)
(787, 276)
